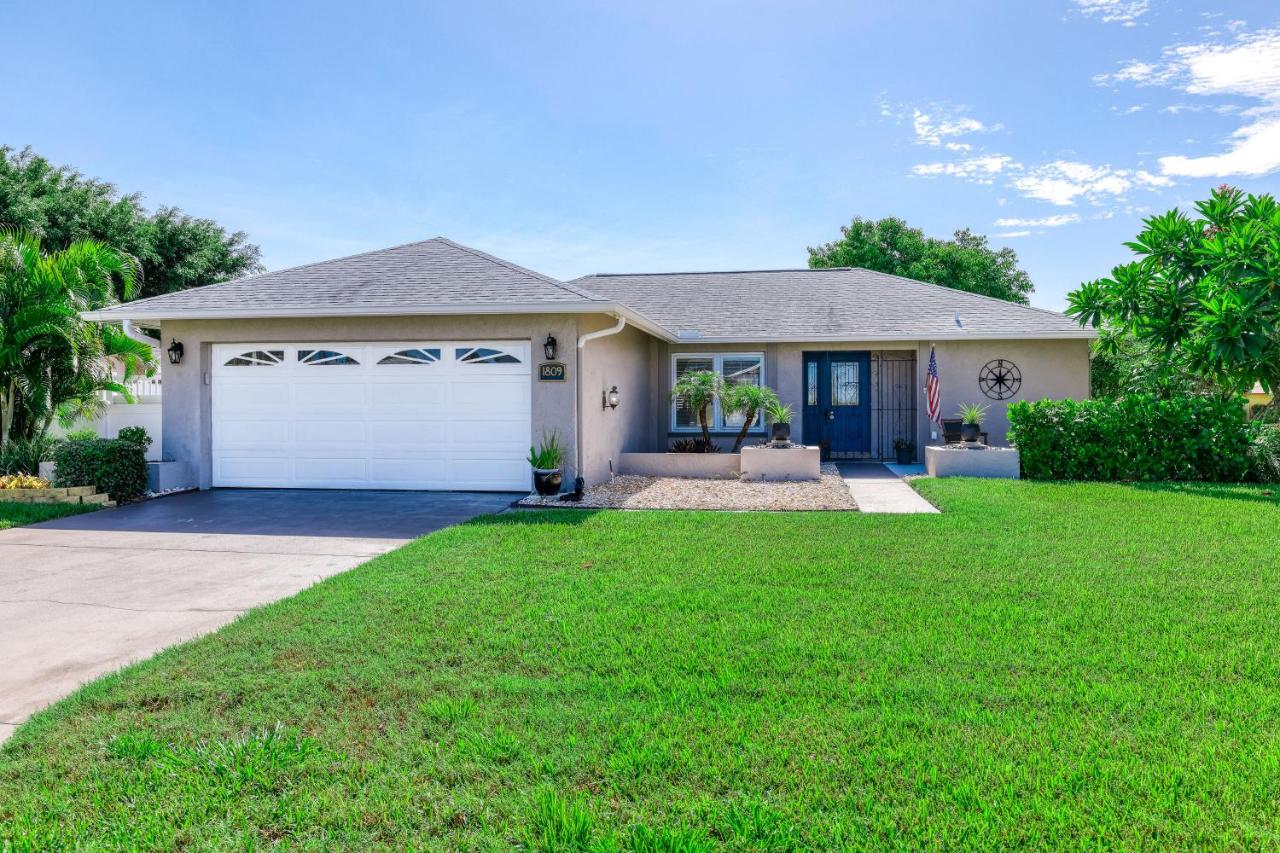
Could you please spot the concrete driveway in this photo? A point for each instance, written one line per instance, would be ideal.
(83, 596)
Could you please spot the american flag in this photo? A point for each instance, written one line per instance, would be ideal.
(933, 390)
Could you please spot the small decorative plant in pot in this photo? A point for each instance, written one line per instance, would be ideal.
(779, 414)
(905, 450)
(546, 459)
(971, 421)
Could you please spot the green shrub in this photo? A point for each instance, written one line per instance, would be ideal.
(136, 434)
(23, 456)
(1137, 437)
(86, 434)
(110, 465)
(1264, 454)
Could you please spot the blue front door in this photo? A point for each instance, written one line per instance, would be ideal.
(837, 403)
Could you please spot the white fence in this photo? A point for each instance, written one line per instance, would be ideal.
(120, 414)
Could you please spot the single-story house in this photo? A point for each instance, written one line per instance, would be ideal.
(435, 366)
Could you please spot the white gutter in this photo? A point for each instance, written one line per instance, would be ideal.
(131, 331)
(603, 333)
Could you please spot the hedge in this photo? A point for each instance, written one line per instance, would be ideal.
(1137, 437)
(110, 465)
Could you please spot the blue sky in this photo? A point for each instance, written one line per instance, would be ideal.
(578, 137)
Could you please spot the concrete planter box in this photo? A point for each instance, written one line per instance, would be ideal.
(703, 466)
(167, 476)
(959, 460)
(781, 463)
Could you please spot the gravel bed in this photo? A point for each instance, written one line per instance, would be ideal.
(630, 491)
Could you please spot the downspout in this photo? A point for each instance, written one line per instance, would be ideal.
(582, 342)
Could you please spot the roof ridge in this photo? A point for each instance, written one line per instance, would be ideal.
(523, 270)
(710, 272)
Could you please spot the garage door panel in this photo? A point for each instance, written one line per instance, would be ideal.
(252, 470)
(253, 396)
(320, 469)
(340, 432)
(411, 473)
(433, 423)
(401, 394)
(491, 392)
(509, 436)
(499, 475)
(409, 433)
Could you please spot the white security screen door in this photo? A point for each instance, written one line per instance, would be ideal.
(411, 415)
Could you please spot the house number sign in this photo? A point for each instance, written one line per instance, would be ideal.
(551, 371)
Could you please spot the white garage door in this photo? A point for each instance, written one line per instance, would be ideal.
(412, 415)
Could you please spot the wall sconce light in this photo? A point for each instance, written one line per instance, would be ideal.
(611, 398)
(175, 352)
(549, 348)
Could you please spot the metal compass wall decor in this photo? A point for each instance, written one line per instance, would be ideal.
(1000, 379)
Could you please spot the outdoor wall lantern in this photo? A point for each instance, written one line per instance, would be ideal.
(611, 398)
(175, 352)
(549, 348)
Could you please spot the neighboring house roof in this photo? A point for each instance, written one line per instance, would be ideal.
(431, 274)
(439, 276)
(826, 304)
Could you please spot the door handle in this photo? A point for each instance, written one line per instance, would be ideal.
(831, 414)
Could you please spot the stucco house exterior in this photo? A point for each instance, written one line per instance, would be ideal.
(426, 366)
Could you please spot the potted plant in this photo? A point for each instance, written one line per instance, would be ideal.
(779, 415)
(905, 449)
(545, 459)
(971, 421)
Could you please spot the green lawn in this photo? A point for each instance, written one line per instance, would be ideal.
(13, 514)
(1074, 665)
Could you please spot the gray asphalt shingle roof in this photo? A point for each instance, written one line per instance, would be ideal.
(438, 275)
(435, 272)
(850, 304)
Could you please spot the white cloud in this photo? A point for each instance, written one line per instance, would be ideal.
(1123, 12)
(980, 170)
(1015, 234)
(1255, 150)
(1043, 222)
(1246, 67)
(932, 129)
(1063, 182)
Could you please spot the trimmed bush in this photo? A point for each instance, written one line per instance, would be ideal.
(135, 434)
(1265, 453)
(110, 465)
(1137, 437)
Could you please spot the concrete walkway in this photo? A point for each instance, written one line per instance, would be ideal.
(875, 488)
(86, 595)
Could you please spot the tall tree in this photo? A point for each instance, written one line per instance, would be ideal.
(60, 206)
(1203, 297)
(966, 262)
(49, 355)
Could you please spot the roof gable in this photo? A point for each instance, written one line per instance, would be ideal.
(435, 273)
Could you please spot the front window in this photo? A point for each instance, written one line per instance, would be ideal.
(732, 368)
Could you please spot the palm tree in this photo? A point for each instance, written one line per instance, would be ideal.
(699, 391)
(748, 400)
(49, 355)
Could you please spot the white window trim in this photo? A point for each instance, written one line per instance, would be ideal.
(717, 417)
